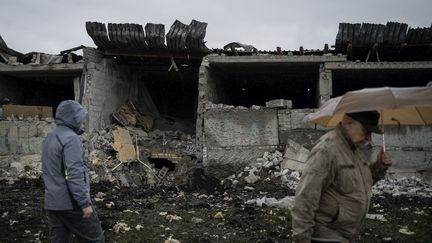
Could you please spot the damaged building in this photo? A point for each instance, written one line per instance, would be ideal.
(252, 103)
(184, 104)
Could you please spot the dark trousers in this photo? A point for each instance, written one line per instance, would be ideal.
(63, 224)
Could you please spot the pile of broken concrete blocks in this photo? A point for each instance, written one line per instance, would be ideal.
(270, 164)
(404, 186)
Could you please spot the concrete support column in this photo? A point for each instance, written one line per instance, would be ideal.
(77, 91)
(202, 98)
(325, 87)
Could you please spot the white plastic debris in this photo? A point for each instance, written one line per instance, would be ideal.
(172, 217)
(420, 212)
(121, 228)
(171, 240)
(406, 186)
(99, 196)
(218, 215)
(110, 205)
(405, 231)
(286, 202)
(196, 220)
(12, 222)
(378, 217)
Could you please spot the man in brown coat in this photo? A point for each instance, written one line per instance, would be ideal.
(333, 195)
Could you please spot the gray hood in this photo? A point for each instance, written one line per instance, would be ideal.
(70, 113)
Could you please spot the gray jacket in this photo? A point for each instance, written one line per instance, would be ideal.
(64, 171)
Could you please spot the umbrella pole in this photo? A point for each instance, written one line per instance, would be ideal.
(383, 135)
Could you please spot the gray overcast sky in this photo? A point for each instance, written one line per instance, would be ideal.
(51, 26)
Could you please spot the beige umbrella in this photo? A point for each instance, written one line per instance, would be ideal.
(397, 106)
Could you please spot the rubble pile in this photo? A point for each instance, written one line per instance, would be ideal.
(21, 167)
(124, 155)
(268, 169)
(404, 186)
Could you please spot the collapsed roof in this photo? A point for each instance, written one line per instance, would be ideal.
(391, 42)
(10, 56)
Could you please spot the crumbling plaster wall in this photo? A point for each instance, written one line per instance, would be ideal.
(234, 133)
(240, 127)
(409, 146)
(108, 85)
(289, 119)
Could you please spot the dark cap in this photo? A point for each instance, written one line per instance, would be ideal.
(368, 119)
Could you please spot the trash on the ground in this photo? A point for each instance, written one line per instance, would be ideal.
(171, 217)
(378, 217)
(110, 205)
(196, 220)
(405, 231)
(286, 202)
(218, 215)
(121, 227)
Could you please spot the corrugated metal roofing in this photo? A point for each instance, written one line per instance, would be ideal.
(180, 37)
(391, 42)
(392, 33)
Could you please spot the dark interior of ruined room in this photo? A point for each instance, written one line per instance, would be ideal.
(247, 84)
(348, 80)
(37, 91)
(174, 95)
(159, 163)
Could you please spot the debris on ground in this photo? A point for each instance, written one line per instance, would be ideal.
(229, 213)
(121, 228)
(146, 185)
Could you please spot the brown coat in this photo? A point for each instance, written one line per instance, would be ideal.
(333, 195)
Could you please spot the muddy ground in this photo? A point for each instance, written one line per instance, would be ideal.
(216, 214)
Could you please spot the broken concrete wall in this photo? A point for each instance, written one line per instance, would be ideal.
(20, 147)
(233, 135)
(216, 71)
(290, 120)
(108, 85)
(409, 146)
(239, 127)
(23, 137)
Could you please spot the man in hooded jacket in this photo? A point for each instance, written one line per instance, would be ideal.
(67, 185)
